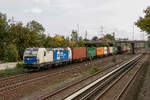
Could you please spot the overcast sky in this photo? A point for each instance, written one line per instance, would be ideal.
(61, 16)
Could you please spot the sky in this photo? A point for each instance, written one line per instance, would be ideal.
(97, 17)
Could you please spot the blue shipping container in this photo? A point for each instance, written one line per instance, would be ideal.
(60, 55)
(30, 60)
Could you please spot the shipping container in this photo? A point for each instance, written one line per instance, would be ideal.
(78, 53)
(108, 50)
(61, 54)
(105, 51)
(124, 48)
(90, 51)
(99, 51)
(127, 47)
(111, 50)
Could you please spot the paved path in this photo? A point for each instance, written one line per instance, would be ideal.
(7, 65)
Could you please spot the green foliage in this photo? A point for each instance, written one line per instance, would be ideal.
(94, 69)
(35, 26)
(80, 42)
(74, 36)
(107, 37)
(20, 36)
(3, 34)
(17, 70)
(66, 42)
(19, 65)
(95, 38)
(11, 53)
(49, 42)
(76, 41)
(144, 22)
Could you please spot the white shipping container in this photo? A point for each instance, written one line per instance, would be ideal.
(111, 49)
(105, 50)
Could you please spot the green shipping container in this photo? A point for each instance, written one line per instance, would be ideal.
(90, 51)
(127, 47)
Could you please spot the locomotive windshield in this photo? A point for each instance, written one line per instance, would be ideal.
(31, 52)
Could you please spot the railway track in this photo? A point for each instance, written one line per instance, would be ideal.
(19, 80)
(90, 91)
(121, 84)
(101, 73)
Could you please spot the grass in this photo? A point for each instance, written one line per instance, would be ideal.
(56, 82)
(17, 70)
(94, 69)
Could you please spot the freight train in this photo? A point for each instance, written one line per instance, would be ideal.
(39, 58)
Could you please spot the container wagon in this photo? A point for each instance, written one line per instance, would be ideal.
(108, 50)
(62, 55)
(105, 51)
(124, 48)
(99, 51)
(90, 52)
(78, 53)
(111, 50)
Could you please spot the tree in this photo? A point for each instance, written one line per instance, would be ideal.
(74, 36)
(72, 44)
(3, 34)
(95, 38)
(66, 42)
(107, 37)
(80, 42)
(21, 37)
(144, 22)
(48, 43)
(58, 40)
(35, 26)
(11, 53)
(86, 34)
(40, 40)
(30, 35)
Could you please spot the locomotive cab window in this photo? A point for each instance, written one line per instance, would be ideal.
(31, 52)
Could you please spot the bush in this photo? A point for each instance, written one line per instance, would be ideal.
(19, 65)
(11, 53)
(94, 69)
